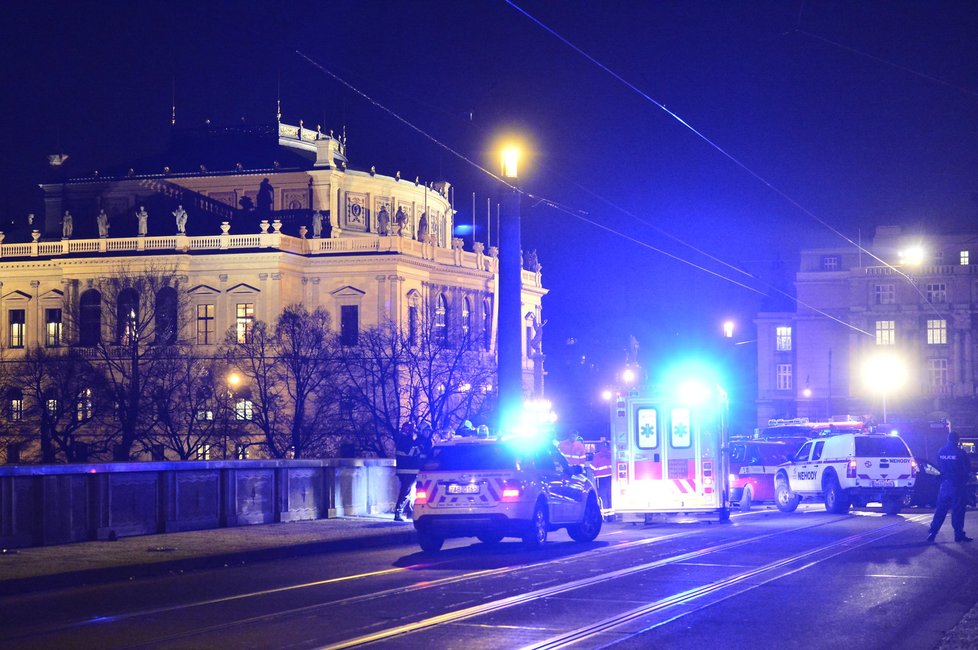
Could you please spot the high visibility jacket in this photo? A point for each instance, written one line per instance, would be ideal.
(573, 451)
(601, 463)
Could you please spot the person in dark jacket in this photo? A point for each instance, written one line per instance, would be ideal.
(955, 472)
(408, 461)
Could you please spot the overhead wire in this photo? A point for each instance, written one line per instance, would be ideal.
(736, 161)
(578, 214)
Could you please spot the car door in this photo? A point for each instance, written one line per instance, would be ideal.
(556, 475)
(801, 469)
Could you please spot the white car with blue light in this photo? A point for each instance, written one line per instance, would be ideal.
(492, 488)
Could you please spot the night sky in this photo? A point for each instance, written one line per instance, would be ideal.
(861, 113)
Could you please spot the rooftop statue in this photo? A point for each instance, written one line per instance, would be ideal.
(67, 225)
(181, 216)
(143, 217)
(102, 220)
(317, 224)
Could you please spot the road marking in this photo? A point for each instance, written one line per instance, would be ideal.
(510, 601)
(779, 567)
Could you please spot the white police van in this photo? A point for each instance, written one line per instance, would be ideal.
(492, 488)
(847, 469)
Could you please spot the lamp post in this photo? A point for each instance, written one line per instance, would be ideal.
(233, 379)
(510, 351)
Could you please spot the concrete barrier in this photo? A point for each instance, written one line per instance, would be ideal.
(58, 504)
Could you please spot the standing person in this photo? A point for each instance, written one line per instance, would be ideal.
(571, 446)
(408, 462)
(955, 471)
(601, 471)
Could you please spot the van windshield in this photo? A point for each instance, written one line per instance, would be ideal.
(881, 447)
(461, 457)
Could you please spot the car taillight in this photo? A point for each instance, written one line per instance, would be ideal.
(851, 468)
(511, 493)
(420, 497)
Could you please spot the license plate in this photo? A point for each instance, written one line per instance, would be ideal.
(882, 483)
(465, 488)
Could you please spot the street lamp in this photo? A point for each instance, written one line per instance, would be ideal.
(510, 362)
(234, 380)
(884, 374)
(728, 329)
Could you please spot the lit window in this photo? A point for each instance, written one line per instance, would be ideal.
(17, 407)
(52, 327)
(937, 369)
(204, 452)
(52, 406)
(83, 407)
(349, 325)
(884, 294)
(784, 376)
(205, 415)
(466, 323)
(937, 292)
(885, 332)
(244, 321)
(964, 258)
(486, 325)
(830, 263)
(18, 327)
(206, 327)
(937, 332)
(243, 409)
(782, 339)
(127, 310)
(441, 321)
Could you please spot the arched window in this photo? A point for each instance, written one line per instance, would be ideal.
(441, 321)
(466, 319)
(486, 324)
(166, 316)
(90, 318)
(127, 317)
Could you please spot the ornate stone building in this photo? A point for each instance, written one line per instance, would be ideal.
(273, 216)
(891, 331)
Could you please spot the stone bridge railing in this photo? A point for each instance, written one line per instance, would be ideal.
(57, 504)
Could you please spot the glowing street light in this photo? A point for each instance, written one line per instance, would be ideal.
(913, 256)
(511, 154)
(728, 329)
(884, 374)
(606, 394)
(628, 376)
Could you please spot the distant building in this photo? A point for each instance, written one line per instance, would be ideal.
(891, 330)
(273, 217)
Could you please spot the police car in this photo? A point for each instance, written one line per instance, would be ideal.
(848, 469)
(494, 488)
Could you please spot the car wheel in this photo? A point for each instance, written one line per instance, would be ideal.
(745, 499)
(892, 505)
(536, 535)
(784, 498)
(490, 538)
(590, 525)
(836, 500)
(429, 542)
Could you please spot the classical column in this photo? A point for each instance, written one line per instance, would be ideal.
(383, 306)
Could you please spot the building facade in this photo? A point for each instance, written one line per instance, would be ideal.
(890, 333)
(249, 221)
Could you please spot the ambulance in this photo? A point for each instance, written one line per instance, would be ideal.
(668, 452)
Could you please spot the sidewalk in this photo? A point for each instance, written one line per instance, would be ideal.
(46, 567)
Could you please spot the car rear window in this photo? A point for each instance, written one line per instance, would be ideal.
(462, 457)
(882, 446)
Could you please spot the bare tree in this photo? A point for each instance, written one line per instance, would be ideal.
(191, 407)
(134, 352)
(422, 375)
(63, 395)
(289, 370)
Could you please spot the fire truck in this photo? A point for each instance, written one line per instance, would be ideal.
(668, 452)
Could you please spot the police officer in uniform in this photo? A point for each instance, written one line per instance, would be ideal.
(955, 471)
(407, 455)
